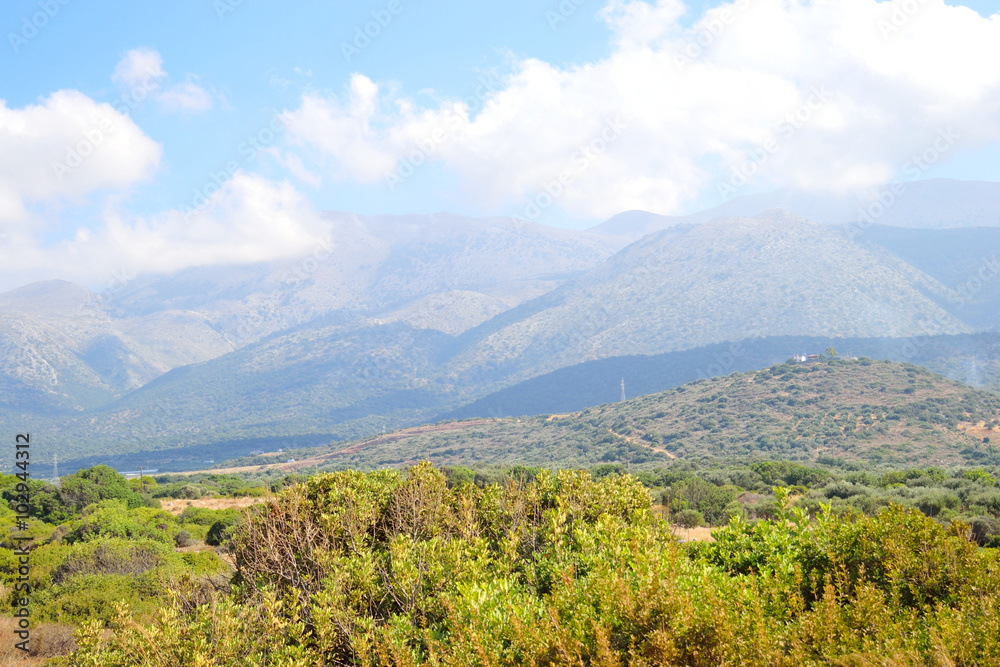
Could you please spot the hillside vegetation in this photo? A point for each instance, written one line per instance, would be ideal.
(973, 359)
(352, 568)
(729, 279)
(834, 411)
(380, 569)
(409, 319)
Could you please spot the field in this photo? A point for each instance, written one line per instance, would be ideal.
(175, 506)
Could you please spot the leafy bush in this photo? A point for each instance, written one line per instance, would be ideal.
(93, 597)
(689, 519)
(111, 518)
(933, 504)
(986, 531)
(110, 556)
(95, 484)
(382, 569)
(219, 532)
(980, 476)
(714, 502)
(199, 515)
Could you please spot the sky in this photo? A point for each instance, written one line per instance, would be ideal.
(157, 136)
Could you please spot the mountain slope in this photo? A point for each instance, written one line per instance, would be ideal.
(85, 343)
(860, 411)
(378, 266)
(725, 280)
(438, 273)
(972, 359)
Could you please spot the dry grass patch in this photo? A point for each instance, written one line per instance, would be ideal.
(47, 641)
(700, 534)
(177, 505)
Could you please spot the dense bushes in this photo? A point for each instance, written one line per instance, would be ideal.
(111, 518)
(95, 484)
(220, 531)
(714, 503)
(205, 484)
(110, 553)
(381, 569)
(83, 581)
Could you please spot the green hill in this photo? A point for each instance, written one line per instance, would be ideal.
(860, 411)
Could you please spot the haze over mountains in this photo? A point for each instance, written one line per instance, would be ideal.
(937, 203)
(394, 320)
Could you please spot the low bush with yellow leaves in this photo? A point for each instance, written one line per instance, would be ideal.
(384, 569)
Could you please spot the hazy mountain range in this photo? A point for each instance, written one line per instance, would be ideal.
(929, 204)
(396, 320)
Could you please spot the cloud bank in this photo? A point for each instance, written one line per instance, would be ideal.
(823, 96)
(141, 72)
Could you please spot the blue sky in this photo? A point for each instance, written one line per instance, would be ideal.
(260, 57)
(559, 78)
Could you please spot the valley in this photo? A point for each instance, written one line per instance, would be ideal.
(397, 321)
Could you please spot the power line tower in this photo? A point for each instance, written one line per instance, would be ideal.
(623, 391)
(55, 469)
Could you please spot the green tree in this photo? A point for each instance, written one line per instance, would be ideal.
(96, 484)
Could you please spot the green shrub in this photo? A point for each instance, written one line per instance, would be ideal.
(986, 531)
(934, 504)
(94, 596)
(111, 518)
(689, 519)
(219, 532)
(714, 502)
(198, 515)
(111, 556)
(382, 569)
(96, 484)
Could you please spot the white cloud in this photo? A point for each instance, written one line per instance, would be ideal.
(138, 66)
(67, 146)
(697, 102)
(141, 73)
(186, 97)
(345, 131)
(250, 219)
